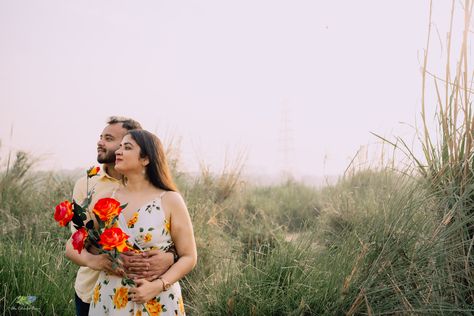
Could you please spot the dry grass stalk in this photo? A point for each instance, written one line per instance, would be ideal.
(348, 279)
(356, 304)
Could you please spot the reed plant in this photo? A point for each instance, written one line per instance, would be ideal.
(447, 163)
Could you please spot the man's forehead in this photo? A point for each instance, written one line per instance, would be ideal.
(115, 130)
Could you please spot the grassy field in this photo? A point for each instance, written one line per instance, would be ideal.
(373, 243)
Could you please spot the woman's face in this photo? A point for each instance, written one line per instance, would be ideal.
(127, 157)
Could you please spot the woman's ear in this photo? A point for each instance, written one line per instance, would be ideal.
(145, 161)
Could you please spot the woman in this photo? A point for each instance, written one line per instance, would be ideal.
(155, 217)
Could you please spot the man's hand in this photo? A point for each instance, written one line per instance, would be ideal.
(102, 263)
(91, 258)
(148, 265)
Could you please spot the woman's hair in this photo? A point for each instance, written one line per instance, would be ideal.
(157, 171)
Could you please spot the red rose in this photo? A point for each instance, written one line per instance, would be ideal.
(78, 239)
(107, 208)
(63, 213)
(114, 238)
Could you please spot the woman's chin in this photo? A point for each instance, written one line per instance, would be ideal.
(119, 167)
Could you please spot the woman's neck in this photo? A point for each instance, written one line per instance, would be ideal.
(137, 183)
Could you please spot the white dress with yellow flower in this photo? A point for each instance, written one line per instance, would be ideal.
(149, 229)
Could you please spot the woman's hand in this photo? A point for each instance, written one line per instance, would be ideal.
(145, 290)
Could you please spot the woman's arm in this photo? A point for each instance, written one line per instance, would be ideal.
(182, 235)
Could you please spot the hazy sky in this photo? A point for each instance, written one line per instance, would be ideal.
(217, 74)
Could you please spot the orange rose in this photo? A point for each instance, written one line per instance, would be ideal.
(107, 208)
(78, 239)
(93, 171)
(113, 238)
(63, 213)
(121, 297)
(154, 307)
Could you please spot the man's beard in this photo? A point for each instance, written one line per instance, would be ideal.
(108, 158)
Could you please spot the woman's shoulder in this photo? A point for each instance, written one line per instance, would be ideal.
(172, 198)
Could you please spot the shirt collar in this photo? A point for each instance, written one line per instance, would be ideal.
(104, 175)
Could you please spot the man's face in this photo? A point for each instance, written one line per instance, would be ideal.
(109, 142)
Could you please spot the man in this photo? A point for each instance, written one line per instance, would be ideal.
(150, 264)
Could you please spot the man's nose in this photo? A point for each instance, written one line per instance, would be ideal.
(100, 143)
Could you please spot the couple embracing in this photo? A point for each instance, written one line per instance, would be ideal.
(136, 173)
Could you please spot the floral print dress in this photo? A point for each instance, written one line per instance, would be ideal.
(149, 229)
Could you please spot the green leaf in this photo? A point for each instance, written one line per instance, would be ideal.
(141, 229)
(129, 282)
(76, 219)
(77, 208)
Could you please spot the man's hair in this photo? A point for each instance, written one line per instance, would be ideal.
(127, 123)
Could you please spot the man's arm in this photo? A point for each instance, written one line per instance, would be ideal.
(85, 258)
(147, 265)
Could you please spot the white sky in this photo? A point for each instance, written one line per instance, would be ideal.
(217, 74)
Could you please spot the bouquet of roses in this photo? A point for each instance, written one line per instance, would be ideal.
(100, 230)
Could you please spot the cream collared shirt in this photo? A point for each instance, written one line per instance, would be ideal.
(102, 184)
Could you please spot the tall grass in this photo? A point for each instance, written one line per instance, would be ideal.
(447, 164)
(32, 258)
(387, 261)
(387, 257)
(35, 265)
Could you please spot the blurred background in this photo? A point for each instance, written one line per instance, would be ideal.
(295, 86)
